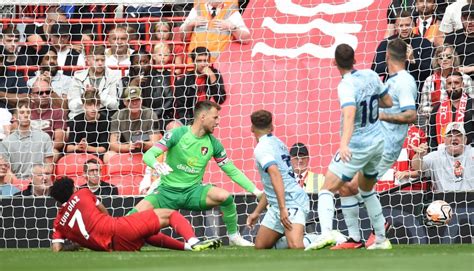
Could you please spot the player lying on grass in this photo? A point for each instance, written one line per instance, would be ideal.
(82, 219)
(288, 203)
(189, 149)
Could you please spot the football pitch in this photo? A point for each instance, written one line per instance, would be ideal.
(401, 257)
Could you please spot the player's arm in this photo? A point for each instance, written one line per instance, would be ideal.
(348, 113)
(58, 247)
(279, 188)
(102, 208)
(237, 176)
(385, 100)
(405, 117)
(261, 206)
(150, 156)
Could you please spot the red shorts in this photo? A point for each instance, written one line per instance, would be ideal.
(131, 231)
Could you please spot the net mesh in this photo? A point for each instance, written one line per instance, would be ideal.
(73, 65)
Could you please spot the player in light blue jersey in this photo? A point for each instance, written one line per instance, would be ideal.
(288, 203)
(394, 123)
(361, 93)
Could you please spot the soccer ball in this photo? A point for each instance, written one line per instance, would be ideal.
(438, 213)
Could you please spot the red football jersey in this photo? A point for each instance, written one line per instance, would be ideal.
(80, 221)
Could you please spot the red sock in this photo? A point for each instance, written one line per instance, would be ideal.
(163, 240)
(181, 225)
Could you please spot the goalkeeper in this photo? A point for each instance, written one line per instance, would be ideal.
(189, 149)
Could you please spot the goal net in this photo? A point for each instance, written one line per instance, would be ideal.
(77, 65)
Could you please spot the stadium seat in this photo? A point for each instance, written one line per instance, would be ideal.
(71, 165)
(126, 172)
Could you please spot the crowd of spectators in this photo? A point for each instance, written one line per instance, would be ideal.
(117, 91)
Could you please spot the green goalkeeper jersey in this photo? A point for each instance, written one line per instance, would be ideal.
(188, 156)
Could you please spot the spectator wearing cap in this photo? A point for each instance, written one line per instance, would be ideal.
(451, 167)
(463, 40)
(310, 181)
(60, 39)
(107, 82)
(457, 106)
(133, 128)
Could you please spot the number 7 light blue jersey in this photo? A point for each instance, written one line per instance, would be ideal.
(271, 151)
(362, 89)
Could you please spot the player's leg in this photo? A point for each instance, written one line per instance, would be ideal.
(338, 173)
(270, 231)
(367, 181)
(212, 196)
(165, 241)
(180, 224)
(350, 203)
(266, 238)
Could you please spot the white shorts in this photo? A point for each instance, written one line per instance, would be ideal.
(365, 160)
(272, 218)
(386, 163)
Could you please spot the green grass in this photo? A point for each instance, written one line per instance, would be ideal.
(402, 257)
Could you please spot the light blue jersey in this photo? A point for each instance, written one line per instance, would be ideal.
(362, 89)
(271, 151)
(402, 87)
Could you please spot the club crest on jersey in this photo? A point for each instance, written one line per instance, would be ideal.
(204, 150)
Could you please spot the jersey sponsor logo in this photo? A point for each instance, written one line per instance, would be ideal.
(192, 161)
(187, 169)
(167, 136)
(204, 150)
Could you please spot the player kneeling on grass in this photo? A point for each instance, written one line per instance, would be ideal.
(288, 203)
(82, 219)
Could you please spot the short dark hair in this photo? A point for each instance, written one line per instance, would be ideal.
(344, 56)
(397, 50)
(90, 161)
(199, 51)
(62, 189)
(91, 97)
(261, 119)
(10, 30)
(97, 50)
(454, 73)
(205, 106)
(406, 14)
(20, 104)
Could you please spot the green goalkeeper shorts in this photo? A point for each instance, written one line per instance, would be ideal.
(189, 198)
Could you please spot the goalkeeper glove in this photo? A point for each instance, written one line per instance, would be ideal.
(162, 168)
(258, 193)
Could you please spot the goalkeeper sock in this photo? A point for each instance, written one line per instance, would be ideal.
(181, 225)
(374, 209)
(165, 241)
(131, 212)
(325, 210)
(350, 210)
(229, 215)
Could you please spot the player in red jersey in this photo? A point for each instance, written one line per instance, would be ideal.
(82, 219)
